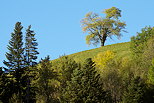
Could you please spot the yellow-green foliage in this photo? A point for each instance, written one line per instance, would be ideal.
(112, 12)
(103, 58)
(151, 74)
(97, 27)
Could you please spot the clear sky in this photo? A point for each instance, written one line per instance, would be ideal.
(57, 22)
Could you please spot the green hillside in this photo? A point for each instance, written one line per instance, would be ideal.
(120, 49)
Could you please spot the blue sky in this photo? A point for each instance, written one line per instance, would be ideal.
(57, 22)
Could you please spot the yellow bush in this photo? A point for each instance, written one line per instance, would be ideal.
(103, 58)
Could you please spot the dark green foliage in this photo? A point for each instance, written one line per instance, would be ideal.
(150, 88)
(115, 77)
(15, 58)
(113, 84)
(46, 81)
(30, 60)
(6, 86)
(29, 90)
(21, 64)
(136, 91)
(85, 86)
(31, 47)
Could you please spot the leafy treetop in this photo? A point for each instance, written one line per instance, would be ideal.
(100, 28)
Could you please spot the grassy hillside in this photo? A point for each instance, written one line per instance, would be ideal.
(120, 49)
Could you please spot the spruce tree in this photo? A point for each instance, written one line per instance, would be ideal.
(15, 58)
(30, 61)
(46, 81)
(31, 47)
(85, 86)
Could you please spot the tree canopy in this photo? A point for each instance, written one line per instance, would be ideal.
(99, 28)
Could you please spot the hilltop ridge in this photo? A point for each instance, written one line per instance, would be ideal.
(120, 49)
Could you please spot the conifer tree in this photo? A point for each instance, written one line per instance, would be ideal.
(46, 81)
(31, 47)
(30, 58)
(85, 86)
(66, 66)
(15, 57)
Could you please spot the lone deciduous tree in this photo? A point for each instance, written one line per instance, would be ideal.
(100, 28)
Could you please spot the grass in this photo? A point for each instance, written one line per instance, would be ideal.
(120, 49)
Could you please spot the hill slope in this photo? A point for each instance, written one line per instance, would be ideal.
(120, 49)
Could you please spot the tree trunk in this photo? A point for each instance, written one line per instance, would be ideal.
(103, 40)
(102, 44)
